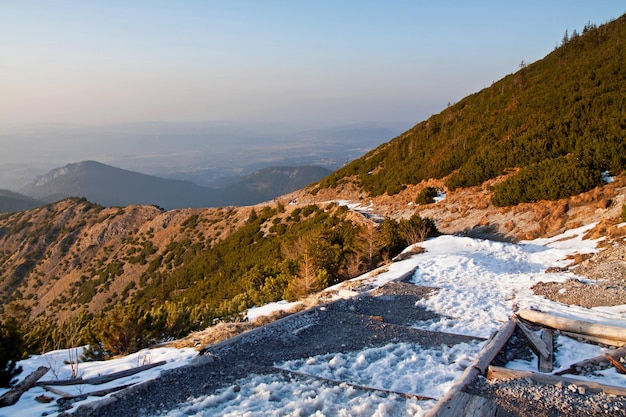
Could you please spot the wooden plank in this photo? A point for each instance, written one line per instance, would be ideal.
(536, 343)
(496, 372)
(357, 386)
(616, 354)
(594, 339)
(103, 379)
(13, 395)
(449, 403)
(546, 363)
(574, 326)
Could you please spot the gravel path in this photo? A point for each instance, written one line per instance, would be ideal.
(381, 317)
(343, 326)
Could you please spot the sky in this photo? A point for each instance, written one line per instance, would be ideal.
(329, 62)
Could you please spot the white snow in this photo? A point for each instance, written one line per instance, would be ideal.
(60, 370)
(479, 282)
(268, 309)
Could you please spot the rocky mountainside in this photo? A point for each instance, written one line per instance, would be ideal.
(48, 253)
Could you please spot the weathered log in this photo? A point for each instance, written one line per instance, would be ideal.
(617, 353)
(496, 372)
(103, 379)
(572, 325)
(537, 344)
(13, 395)
(450, 403)
(472, 405)
(594, 339)
(545, 363)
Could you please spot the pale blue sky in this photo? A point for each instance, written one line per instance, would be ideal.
(332, 62)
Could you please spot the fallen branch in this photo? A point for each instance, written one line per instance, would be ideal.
(496, 372)
(452, 404)
(99, 393)
(103, 379)
(617, 353)
(574, 326)
(13, 395)
(357, 386)
(617, 364)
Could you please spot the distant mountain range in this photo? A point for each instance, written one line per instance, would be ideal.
(111, 186)
(199, 152)
(10, 201)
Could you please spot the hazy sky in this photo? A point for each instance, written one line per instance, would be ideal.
(339, 61)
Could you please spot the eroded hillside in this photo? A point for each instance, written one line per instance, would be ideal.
(72, 254)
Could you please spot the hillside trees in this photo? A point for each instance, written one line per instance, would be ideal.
(146, 285)
(255, 265)
(572, 104)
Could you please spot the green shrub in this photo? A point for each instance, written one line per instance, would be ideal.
(548, 180)
(11, 349)
(427, 196)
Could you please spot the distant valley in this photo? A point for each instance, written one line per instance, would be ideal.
(211, 154)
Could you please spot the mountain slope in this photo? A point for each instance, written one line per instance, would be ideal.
(562, 114)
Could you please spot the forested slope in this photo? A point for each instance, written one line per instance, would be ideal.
(562, 120)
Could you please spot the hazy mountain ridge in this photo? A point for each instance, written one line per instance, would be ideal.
(272, 182)
(11, 201)
(197, 152)
(110, 186)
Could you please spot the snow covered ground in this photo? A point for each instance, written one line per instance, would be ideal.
(480, 282)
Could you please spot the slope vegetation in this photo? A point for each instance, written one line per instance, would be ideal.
(122, 278)
(562, 120)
